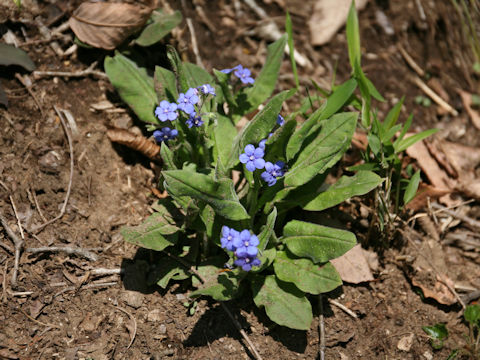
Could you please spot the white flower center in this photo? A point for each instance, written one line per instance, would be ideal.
(252, 158)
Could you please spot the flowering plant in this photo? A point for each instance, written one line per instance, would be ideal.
(234, 193)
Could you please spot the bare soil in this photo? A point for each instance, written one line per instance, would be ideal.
(55, 312)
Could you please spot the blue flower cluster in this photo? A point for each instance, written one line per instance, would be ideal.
(244, 247)
(252, 157)
(167, 111)
(243, 74)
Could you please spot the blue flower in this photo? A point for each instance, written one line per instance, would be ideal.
(261, 144)
(280, 120)
(207, 89)
(244, 75)
(228, 71)
(272, 172)
(247, 263)
(246, 245)
(228, 237)
(187, 101)
(166, 111)
(253, 158)
(194, 120)
(165, 134)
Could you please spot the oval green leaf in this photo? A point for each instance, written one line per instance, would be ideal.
(284, 303)
(316, 242)
(306, 275)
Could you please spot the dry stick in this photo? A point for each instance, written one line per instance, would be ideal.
(434, 268)
(89, 286)
(224, 307)
(18, 247)
(471, 222)
(38, 322)
(442, 103)
(7, 247)
(16, 216)
(134, 324)
(25, 81)
(321, 330)
(410, 61)
(103, 271)
(69, 189)
(198, 59)
(82, 73)
(38, 206)
(66, 249)
(343, 307)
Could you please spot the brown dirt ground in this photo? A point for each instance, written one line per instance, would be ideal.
(63, 318)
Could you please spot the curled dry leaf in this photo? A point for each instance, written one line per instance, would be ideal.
(136, 142)
(107, 25)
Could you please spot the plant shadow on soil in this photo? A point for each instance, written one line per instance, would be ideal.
(214, 323)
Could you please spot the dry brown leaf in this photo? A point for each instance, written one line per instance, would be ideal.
(353, 266)
(328, 17)
(424, 193)
(107, 25)
(429, 273)
(430, 167)
(467, 103)
(136, 142)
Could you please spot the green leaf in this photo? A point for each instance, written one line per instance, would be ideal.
(393, 114)
(165, 270)
(220, 195)
(325, 150)
(259, 127)
(346, 187)
(307, 276)
(167, 157)
(221, 286)
(224, 132)
(284, 303)
(266, 80)
(353, 36)
(165, 84)
(222, 80)
(472, 314)
(267, 231)
(277, 143)
(162, 25)
(438, 333)
(335, 102)
(373, 90)
(207, 214)
(291, 48)
(157, 232)
(412, 187)
(409, 141)
(405, 128)
(317, 242)
(134, 86)
(374, 143)
(177, 67)
(10, 55)
(196, 75)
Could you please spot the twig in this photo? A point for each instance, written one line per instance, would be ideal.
(472, 222)
(38, 322)
(82, 73)
(103, 271)
(25, 81)
(343, 307)
(46, 34)
(198, 59)
(134, 324)
(224, 306)
(4, 283)
(16, 216)
(18, 247)
(88, 286)
(321, 330)
(442, 103)
(410, 61)
(38, 206)
(7, 247)
(66, 249)
(69, 189)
